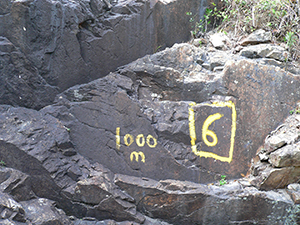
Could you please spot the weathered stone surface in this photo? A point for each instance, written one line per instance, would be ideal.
(266, 51)
(148, 221)
(276, 142)
(106, 201)
(42, 212)
(51, 173)
(172, 116)
(219, 41)
(269, 178)
(286, 156)
(257, 37)
(10, 209)
(179, 202)
(16, 183)
(99, 110)
(20, 82)
(265, 95)
(294, 191)
(49, 45)
(279, 158)
(159, 89)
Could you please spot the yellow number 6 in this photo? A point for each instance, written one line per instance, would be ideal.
(206, 132)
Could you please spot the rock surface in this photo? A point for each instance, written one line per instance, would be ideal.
(189, 203)
(48, 46)
(155, 131)
(257, 37)
(279, 165)
(133, 146)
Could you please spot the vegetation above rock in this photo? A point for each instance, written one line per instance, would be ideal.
(241, 17)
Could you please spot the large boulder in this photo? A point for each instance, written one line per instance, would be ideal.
(140, 124)
(170, 111)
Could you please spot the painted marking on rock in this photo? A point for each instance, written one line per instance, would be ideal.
(206, 132)
(137, 154)
(139, 140)
(151, 141)
(118, 139)
(126, 139)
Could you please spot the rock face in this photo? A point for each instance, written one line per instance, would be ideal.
(140, 124)
(278, 164)
(174, 111)
(151, 142)
(50, 45)
(45, 166)
(189, 203)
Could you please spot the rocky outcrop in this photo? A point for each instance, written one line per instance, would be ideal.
(45, 165)
(49, 46)
(277, 164)
(150, 142)
(189, 203)
(143, 115)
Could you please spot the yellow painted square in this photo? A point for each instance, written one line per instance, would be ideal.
(192, 130)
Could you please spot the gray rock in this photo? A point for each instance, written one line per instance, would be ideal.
(269, 178)
(42, 211)
(181, 202)
(218, 59)
(219, 40)
(10, 209)
(294, 191)
(271, 62)
(199, 42)
(279, 54)
(42, 54)
(265, 51)
(286, 156)
(20, 81)
(100, 193)
(281, 151)
(16, 183)
(276, 142)
(53, 173)
(257, 37)
(294, 187)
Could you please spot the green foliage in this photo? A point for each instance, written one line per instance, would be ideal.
(222, 181)
(297, 111)
(68, 129)
(291, 40)
(2, 163)
(211, 17)
(157, 49)
(242, 17)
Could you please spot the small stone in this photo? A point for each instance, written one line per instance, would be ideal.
(263, 157)
(286, 156)
(276, 141)
(294, 191)
(296, 197)
(279, 55)
(259, 36)
(271, 62)
(294, 187)
(198, 42)
(219, 40)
